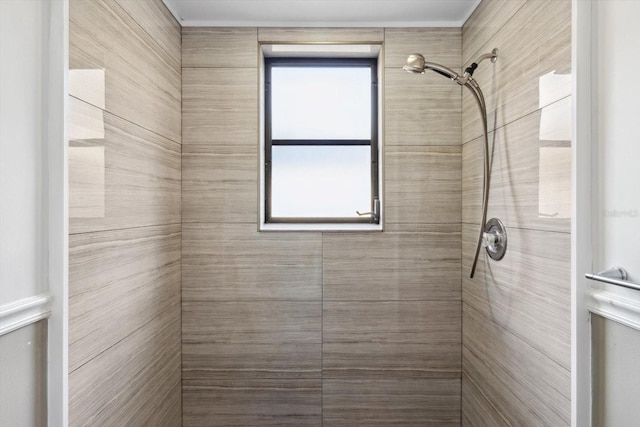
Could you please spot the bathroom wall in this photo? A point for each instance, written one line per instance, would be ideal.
(125, 214)
(305, 328)
(516, 312)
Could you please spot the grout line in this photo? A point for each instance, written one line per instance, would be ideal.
(477, 224)
(322, 336)
(134, 123)
(139, 227)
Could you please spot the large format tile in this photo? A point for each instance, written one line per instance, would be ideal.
(219, 184)
(421, 109)
(236, 262)
(440, 45)
(228, 47)
(423, 185)
(530, 177)
(320, 35)
(154, 17)
(421, 265)
(134, 383)
(118, 281)
(263, 339)
(142, 80)
(410, 339)
(528, 292)
(391, 402)
(254, 402)
(527, 387)
(477, 410)
(220, 106)
(488, 18)
(536, 41)
(135, 184)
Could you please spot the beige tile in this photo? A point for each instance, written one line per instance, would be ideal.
(528, 292)
(440, 45)
(254, 402)
(532, 44)
(320, 35)
(527, 387)
(228, 47)
(394, 339)
(259, 339)
(421, 109)
(391, 402)
(136, 184)
(142, 79)
(220, 106)
(220, 184)
(477, 409)
(134, 382)
(403, 266)
(236, 262)
(423, 185)
(521, 165)
(488, 18)
(154, 17)
(119, 281)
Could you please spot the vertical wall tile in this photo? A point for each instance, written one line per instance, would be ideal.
(423, 185)
(219, 47)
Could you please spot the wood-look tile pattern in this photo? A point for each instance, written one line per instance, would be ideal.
(125, 209)
(440, 45)
(392, 339)
(512, 85)
(253, 339)
(255, 402)
(134, 383)
(421, 265)
(517, 173)
(320, 35)
(488, 18)
(220, 106)
(154, 17)
(259, 342)
(478, 410)
(422, 185)
(527, 387)
(528, 292)
(391, 402)
(225, 47)
(219, 184)
(421, 109)
(142, 78)
(229, 262)
(141, 176)
(118, 281)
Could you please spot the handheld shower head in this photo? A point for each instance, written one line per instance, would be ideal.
(416, 64)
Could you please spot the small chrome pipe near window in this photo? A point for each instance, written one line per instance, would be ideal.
(493, 235)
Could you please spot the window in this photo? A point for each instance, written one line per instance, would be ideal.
(321, 141)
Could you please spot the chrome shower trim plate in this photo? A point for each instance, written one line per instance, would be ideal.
(495, 239)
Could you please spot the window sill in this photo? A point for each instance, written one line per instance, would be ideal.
(321, 227)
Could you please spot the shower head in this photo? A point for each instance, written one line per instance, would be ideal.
(416, 64)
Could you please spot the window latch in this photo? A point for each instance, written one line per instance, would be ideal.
(375, 214)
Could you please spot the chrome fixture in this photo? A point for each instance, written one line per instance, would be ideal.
(493, 234)
(614, 276)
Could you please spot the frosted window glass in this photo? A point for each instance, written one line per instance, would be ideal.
(320, 103)
(320, 181)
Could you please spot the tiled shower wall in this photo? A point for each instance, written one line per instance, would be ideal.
(301, 328)
(124, 209)
(517, 312)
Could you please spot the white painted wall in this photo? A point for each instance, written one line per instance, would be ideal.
(23, 45)
(616, 372)
(33, 211)
(618, 136)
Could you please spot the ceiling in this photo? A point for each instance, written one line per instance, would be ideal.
(322, 13)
